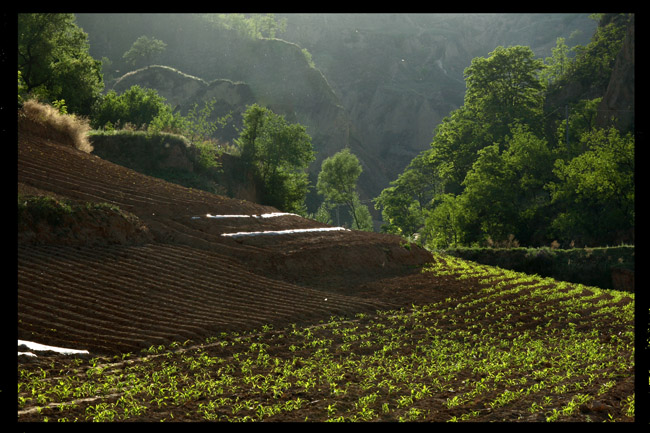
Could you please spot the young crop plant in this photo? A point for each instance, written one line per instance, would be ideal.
(550, 350)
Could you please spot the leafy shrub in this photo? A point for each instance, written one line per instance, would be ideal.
(137, 107)
(42, 208)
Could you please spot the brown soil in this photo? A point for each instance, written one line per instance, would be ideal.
(160, 271)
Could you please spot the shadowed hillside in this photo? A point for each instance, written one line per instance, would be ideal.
(134, 260)
(376, 83)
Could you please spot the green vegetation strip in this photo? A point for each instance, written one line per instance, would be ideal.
(518, 347)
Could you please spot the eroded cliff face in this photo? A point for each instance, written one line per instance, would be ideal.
(270, 72)
(183, 92)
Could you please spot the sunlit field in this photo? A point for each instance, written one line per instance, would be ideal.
(517, 348)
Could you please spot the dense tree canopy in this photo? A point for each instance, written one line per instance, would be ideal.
(593, 63)
(557, 64)
(54, 63)
(501, 169)
(337, 180)
(596, 188)
(404, 202)
(505, 87)
(137, 106)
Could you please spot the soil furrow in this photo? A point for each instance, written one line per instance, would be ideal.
(189, 280)
(62, 331)
(202, 309)
(83, 189)
(70, 298)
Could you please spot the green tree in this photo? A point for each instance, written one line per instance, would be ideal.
(360, 215)
(468, 157)
(337, 182)
(582, 119)
(595, 190)
(54, 62)
(505, 87)
(323, 214)
(455, 147)
(402, 215)
(505, 191)
(491, 172)
(490, 200)
(404, 202)
(531, 161)
(556, 65)
(593, 63)
(143, 51)
(443, 224)
(200, 125)
(502, 89)
(253, 125)
(278, 154)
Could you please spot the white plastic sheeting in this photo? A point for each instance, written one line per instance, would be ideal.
(283, 232)
(265, 215)
(269, 232)
(41, 347)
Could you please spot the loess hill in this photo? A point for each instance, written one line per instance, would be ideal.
(153, 268)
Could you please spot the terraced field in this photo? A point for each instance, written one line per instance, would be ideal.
(168, 272)
(504, 347)
(185, 324)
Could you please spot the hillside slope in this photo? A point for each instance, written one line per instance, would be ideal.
(171, 275)
(379, 83)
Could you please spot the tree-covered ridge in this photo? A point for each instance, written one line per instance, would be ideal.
(523, 158)
(503, 166)
(253, 25)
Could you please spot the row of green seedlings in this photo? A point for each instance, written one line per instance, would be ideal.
(455, 399)
(572, 304)
(435, 362)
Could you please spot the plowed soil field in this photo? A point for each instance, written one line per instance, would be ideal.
(168, 274)
(183, 323)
